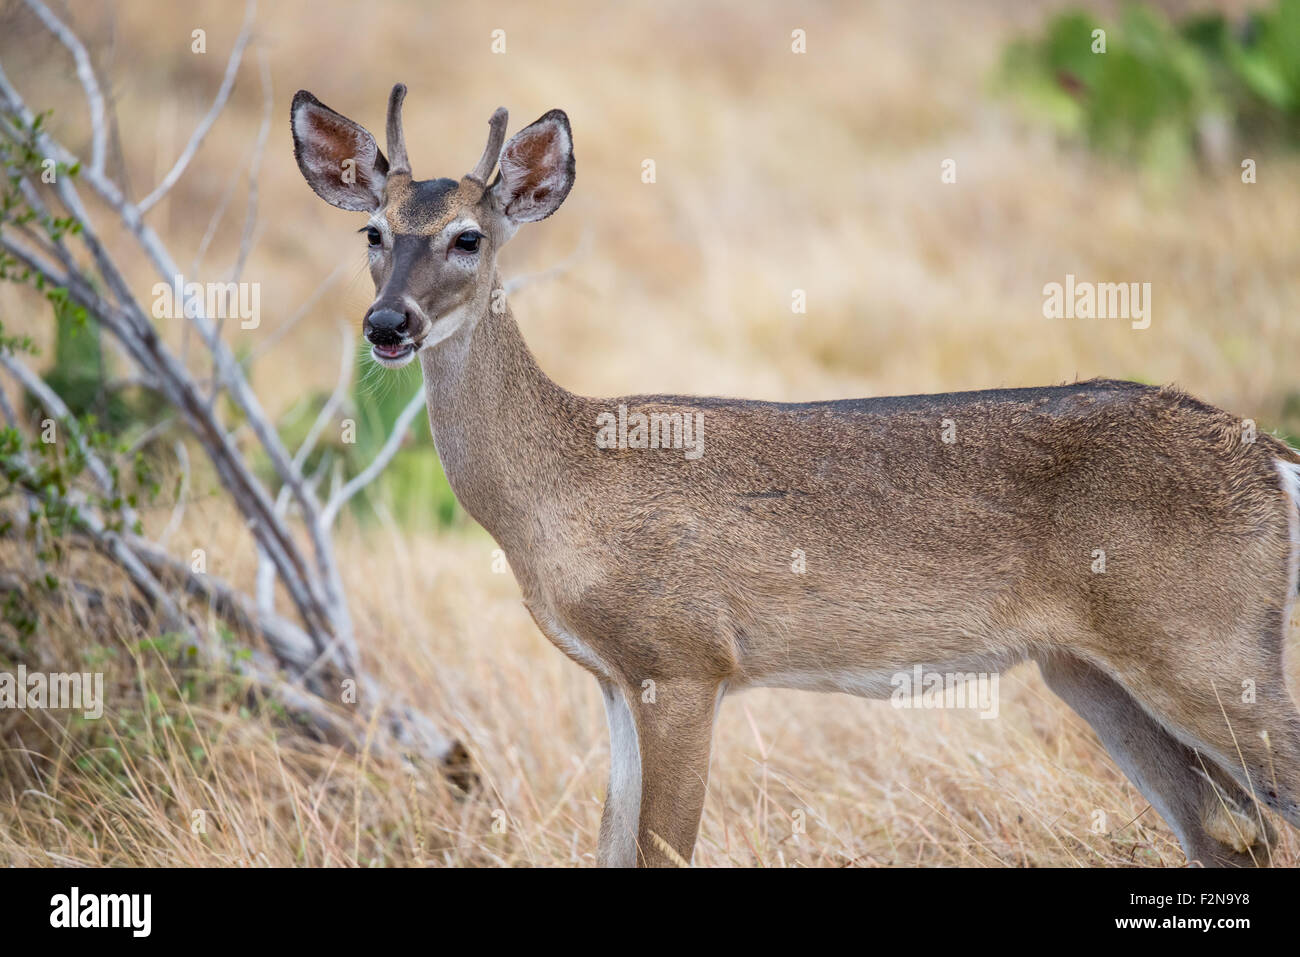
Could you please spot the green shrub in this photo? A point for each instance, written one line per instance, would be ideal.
(1158, 88)
(413, 486)
(79, 374)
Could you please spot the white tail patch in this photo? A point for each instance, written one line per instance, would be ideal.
(1290, 474)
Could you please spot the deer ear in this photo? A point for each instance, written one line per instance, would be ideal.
(536, 170)
(339, 159)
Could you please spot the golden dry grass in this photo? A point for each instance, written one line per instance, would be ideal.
(775, 172)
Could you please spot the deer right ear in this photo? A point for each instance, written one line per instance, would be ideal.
(339, 159)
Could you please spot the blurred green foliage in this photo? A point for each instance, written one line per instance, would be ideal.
(79, 372)
(413, 486)
(1158, 91)
(414, 483)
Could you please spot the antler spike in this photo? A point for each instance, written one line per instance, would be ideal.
(491, 152)
(397, 158)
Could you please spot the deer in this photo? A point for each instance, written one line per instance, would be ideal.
(958, 532)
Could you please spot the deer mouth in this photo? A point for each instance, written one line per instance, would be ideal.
(392, 356)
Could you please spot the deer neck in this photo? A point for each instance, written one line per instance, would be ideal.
(496, 420)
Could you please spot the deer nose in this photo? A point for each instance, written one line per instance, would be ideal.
(385, 326)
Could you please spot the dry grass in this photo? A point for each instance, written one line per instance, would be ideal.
(871, 786)
(775, 172)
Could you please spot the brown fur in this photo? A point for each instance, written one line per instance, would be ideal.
(979, 552)
(423, 209)
(648, 567)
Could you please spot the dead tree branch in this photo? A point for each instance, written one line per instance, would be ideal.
(297, 549)
(218, 104)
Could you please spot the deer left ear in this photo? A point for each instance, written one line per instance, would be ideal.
(537, 170)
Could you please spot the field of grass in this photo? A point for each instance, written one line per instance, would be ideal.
(774, 172)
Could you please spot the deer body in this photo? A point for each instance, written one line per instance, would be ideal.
(831, 545)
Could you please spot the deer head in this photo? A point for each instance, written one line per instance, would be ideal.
(432, 243)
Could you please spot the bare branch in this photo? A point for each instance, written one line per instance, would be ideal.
(347, 362)
(330, 602)
(559, 269)
(215, 219)
(86, 74)
(148, 435)
(103, 186)
(218, 104)
(227, 368)
(279, 332)
(7, 411)
(178, 510)
(115, 546)
(141, 558)
(146, 349)
(56, 407)
(250, 215)
(293, 649)
(323, 647)
(371, 471)
(265, 569)
(255, 166)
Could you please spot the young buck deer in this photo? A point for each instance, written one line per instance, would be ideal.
(959, 532)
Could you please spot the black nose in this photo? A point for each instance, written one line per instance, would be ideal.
(386, 327)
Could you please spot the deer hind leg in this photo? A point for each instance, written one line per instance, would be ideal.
(1212, 816)
(1233, 707)
(674, 731)
(1257, 742)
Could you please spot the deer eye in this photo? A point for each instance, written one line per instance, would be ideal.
(468, 241)
(374, 236)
